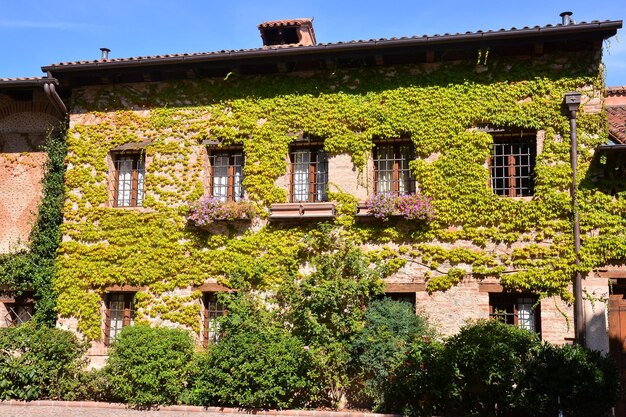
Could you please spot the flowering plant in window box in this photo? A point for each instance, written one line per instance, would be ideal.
(411, 206)
(210, 209)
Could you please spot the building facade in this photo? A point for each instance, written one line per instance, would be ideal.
(466, 133)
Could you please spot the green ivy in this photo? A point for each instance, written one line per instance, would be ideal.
(437, 106)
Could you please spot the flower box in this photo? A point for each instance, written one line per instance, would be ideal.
(302, 211)
(385, 206)
(209, 210)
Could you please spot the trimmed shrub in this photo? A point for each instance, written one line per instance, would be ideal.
(381, 349)
(150, 365)
(488, 361)
(39, 362)
(572, 379)
(256, 364)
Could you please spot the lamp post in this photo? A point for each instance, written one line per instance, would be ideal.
(572, 100)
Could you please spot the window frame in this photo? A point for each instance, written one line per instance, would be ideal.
(137, 180)
(510, 139)
(212, 310)
(13, 317)
(513, 301)
(314, 173)
(396, 169)
(232, 154)
(128, 313)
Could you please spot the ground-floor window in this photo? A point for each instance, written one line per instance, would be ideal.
(213, 310)
(521, 310)
(120, 312)
(19, 310)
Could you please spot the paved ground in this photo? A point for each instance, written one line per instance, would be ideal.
(93, 409)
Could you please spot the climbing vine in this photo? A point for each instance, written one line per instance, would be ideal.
(33, 268)
(525, 242)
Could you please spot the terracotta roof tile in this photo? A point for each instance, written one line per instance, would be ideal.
(617, 123)
(321, 46)
(22, 79)
(285, 22)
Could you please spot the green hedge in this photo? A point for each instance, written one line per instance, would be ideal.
(39, 363)
(150, 365)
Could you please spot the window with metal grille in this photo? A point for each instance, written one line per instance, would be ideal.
(19, 311)
(213, 310)
(391, 168)
(227, 175)
(120, 312)
(512, 164)
(309, 175)
(129, 180)
(515, 309)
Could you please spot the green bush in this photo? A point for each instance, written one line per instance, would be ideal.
(256, 364)
(39, 362)
(577, 381)
(488, 362)
(381, 349)
(150, 365)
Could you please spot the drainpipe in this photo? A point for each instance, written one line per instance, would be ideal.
(51, 92)
(572, 100)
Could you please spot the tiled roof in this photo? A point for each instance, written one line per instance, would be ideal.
(412, 40)
(617, 123)
(26, 81)
(285, 22)
(616, 91)
(2, 80)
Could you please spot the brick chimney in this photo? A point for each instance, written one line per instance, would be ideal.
(289, 32)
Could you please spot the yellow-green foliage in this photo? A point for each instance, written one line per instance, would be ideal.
(437, 108)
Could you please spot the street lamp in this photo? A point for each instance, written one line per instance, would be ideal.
(572, 101)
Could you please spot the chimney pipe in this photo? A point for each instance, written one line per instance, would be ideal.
(105, 53)
(565, 16)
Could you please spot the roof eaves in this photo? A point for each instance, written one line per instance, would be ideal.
(25, 82)
(503, 34)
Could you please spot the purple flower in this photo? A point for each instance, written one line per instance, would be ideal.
(210, 209)
(411, 207)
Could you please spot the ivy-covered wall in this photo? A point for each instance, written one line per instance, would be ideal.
(525, 243)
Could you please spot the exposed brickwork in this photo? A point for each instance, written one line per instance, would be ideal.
(23, 127)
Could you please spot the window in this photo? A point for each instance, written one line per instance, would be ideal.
(403, 297)
(512, 164)
(212, 311)
(391, 168)
(227, 175)
(120, 312)
(19, 311)
(129, 180)
(515, 309)
(309, 175)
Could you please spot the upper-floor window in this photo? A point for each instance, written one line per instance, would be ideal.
(515, 309)
(120, 312)
(308, 174)
(129, 179)
(391, 168)
(512, 164)
(227, 175)
(213, 310)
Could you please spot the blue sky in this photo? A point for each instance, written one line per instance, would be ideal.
(34, 33)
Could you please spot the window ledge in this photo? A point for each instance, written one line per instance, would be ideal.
(526, 198)
(302, 211)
